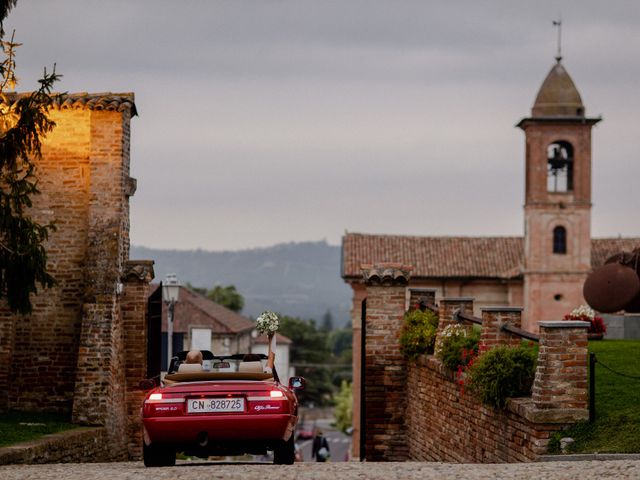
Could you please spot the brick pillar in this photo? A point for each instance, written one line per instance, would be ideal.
(561, 375)
(417, 295)
(385, 368)
(137, 277)
(492, 319)
(7, 337)
(447, 308)
(359, 295)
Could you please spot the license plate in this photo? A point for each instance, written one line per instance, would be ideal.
(212, 405)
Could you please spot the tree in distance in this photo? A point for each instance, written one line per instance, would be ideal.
(227, 296)
(327, 321)
(23, 124)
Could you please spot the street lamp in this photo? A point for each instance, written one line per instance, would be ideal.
(170, 293)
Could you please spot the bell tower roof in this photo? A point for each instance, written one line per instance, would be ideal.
(558, 95)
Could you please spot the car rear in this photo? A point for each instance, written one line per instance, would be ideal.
(219, 417)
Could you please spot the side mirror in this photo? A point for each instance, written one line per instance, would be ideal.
(297, 383)
(147, 384)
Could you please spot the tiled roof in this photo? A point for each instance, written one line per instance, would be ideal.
(93, 101)
(194, 309)
(234, 322)
(485, 257)
(603, 248)
(454, 257)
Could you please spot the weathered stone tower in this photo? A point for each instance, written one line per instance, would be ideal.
(557, 210)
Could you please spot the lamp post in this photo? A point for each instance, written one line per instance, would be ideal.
(170, 293)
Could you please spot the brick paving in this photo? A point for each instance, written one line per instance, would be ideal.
(623, 469)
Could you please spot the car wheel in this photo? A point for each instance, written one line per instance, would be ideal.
(284, 453)
(158, 455)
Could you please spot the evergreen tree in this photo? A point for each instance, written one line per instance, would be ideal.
(23, 123)
(327, 321)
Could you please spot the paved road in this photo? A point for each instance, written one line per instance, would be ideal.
(625, 469)
(338, 443)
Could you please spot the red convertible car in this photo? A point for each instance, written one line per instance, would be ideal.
(226, 406)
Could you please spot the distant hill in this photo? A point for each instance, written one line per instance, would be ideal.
(298, 279)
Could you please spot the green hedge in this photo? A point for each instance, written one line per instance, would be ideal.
(501, 373)
(418, 332)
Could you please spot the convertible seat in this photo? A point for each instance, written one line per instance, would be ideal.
(189, 368)
(250, 367)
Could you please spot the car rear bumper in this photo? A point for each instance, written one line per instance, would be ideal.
(187, 429)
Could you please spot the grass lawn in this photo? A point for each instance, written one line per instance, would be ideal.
(617, 425)
(18, 427)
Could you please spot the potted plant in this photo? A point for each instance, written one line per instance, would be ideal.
(597, 328)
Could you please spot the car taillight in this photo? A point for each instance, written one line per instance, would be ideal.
(155, 396)
(276, 394)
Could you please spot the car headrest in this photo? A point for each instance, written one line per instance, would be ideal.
(189, 368)
(250, 367)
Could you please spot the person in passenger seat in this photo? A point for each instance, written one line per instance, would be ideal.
(194, 356)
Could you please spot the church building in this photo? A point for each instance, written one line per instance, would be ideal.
(544, 271)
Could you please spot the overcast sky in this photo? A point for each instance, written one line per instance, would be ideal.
(270, 121)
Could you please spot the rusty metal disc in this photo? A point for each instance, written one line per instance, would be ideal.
(611, 287)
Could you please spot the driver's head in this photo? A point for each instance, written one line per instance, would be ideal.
(194, 356)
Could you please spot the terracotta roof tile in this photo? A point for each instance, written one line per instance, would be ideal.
(93, 101)
(194, 309)
(466, 257)
(603, 248)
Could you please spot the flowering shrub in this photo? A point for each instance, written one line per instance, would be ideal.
(458, 346)
(267, 323)
(418, 332)
(587, 314)
(501, 373)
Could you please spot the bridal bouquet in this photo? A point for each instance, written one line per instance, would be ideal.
(267, 323)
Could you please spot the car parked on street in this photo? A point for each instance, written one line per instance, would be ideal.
(224, 407)
(306, 430)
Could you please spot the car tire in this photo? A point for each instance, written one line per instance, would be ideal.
(285, 452)
(158, 455)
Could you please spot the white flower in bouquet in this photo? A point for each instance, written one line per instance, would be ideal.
(267, 323)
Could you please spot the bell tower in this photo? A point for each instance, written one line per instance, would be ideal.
(557, 209)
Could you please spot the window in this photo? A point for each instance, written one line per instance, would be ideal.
(560, 167)
(559, 240)
(200, 339)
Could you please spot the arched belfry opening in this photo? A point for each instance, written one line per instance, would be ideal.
(560, 167)
(560, 240)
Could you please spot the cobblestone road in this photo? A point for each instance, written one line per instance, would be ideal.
(624, 469)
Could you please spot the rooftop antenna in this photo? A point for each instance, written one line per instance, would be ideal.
(558, 23)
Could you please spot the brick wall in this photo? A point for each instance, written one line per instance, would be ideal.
(445, 424)
(68, 355)
(79, 445)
